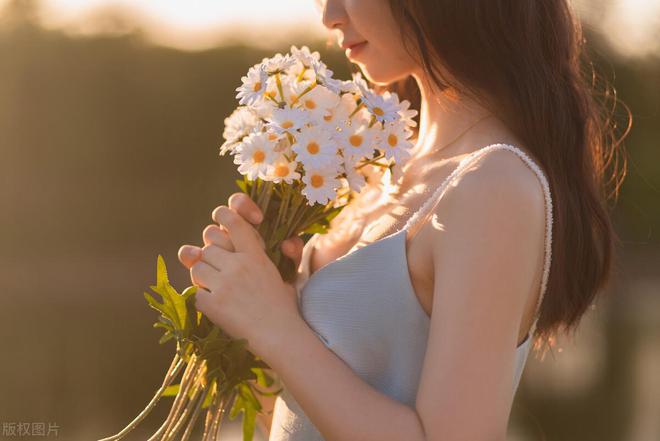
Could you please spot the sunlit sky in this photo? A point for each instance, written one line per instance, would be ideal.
(192, 24)
(633, 26)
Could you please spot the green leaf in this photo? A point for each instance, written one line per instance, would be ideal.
(174, 307)
(249, 417)
(171, 391)
(334, 212)
(262, 378)
(250, 409)
(242, 185)
(166, 337)
(160, 307)
(209, 395)
(316, 228)
(236, 407)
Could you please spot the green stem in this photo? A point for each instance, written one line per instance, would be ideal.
(372, 161)
(197, 389)
(161, 433)
(279, 85)
(195, 415)
(207, 422)
(301, 74)
(253, 187)
(172, 372)
(226, 404)
(359, 106)
(307, 90)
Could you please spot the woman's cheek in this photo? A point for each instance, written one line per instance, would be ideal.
(383, 68)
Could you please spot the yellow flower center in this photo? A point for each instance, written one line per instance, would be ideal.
(281, 170)
(287, 124)
(392, 140)
(355, 140)
(257, 86)
(316, 181)
(328, 118)
(378, 111)
(313, 148)
(293, 98)
(272, 137)
(258, 156)
(310, 104)
(270, 93)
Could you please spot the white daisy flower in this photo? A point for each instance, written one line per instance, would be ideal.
(254, 85)
(263, 108)
(278, 63)
(406, 114)
(321, 184)
(282, 143)
(283, 170)
(318, 101)
(239, 124)
(396, 170)
(315, 148)
(338, 116)
(341, 86)
(296, 89)
(287, 120)
(298, 72)
(360, 82)
(304, 56)
(288, 85)
(394, 141)
(357, 141)
(254, 154)
(355, 179)
(321, 71)
(384, 107)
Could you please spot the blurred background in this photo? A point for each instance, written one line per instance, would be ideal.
(111, 115)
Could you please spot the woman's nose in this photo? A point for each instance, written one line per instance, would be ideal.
(334, 14)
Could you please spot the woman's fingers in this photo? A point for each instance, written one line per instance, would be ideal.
(216, 235)
(292, 248)
(241, 233)
(246, 207)
(189, 255)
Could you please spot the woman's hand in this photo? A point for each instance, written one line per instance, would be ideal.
(238, 287)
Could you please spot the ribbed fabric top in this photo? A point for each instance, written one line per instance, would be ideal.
(363, 307)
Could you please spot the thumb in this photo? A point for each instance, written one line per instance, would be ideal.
(189, 255)
(292, 248)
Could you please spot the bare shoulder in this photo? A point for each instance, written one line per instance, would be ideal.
(498, 192)
(503, 173)
(497, 189)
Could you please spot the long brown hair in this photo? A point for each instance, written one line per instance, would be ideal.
(529, 58)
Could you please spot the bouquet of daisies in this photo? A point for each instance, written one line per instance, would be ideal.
(299, 138)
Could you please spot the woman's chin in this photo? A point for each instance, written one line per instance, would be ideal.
(381, 75)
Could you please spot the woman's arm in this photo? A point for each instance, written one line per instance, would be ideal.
(487, 234)
(486, 242)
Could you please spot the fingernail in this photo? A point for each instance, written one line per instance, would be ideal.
(256, 217)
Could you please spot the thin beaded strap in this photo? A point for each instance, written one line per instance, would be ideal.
(462, 166)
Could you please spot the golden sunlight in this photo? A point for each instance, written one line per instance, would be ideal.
(193, 25)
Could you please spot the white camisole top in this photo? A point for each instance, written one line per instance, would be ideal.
(363, 307)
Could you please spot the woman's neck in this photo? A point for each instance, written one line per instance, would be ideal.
(443, 116)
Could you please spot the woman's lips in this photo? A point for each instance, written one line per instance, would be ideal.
(354, 49)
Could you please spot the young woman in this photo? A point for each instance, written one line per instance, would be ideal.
(413, 317)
